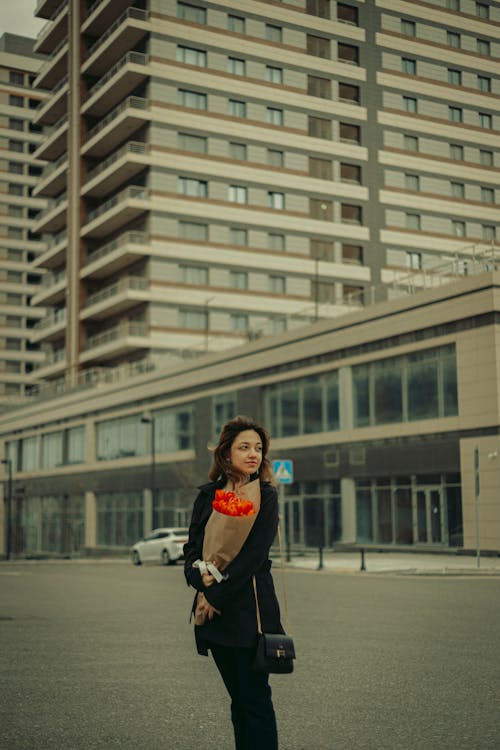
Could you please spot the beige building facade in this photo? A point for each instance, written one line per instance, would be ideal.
(381, 412)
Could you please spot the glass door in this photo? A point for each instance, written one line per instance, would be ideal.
(429, 516)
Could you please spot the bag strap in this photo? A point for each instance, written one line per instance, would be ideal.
(285, 601)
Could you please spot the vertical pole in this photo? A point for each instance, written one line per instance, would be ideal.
(281, 506)
(8, 535)
(153, 463)
(476, 505)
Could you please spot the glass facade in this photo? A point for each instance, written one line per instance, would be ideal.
(120, 518)
(51, 524)
(305, 405)
(172, 509)
(313, 515)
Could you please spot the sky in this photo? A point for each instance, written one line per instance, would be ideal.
(16, 17)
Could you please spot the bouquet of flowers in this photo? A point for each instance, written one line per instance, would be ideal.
(226, 531)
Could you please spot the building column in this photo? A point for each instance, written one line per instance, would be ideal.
(348, 511)
(90, 520)
(147, 508)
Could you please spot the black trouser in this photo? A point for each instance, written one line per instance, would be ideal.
(252, 711)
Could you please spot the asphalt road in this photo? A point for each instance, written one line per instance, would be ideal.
(99, 655)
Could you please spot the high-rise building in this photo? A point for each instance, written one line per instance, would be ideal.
(19, 245)
(216, 169)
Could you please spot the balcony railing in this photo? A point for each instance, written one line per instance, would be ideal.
(132, 328)
(51, 205)
(139, 193)
(134, 147)
(137, 13)
(51, 279)
(131, 101)
(138, 58)
(51, 320)
(138, 238)
(51, 358)
(53, 166)
(45, 28)
(123, 285)
(55, 239)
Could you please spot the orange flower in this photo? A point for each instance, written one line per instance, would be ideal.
(229, 505)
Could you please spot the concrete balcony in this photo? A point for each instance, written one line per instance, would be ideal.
(53, 219)
(54, 31)
(117, 126)
(121, 37)
(117, 170)
(55, 68)
(46, 8)
(55, 252)
(116, 255)
(102, 14)
(53, 363)
(125, 75)
(55, 142)
(116, 212)
(55, 107)
(125, 338)
(50, 328)
(53, 179)
(116, 298)
(52, 290)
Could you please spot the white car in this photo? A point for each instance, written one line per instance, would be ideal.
(162, 545)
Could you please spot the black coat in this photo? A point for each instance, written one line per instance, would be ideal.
(234, 596)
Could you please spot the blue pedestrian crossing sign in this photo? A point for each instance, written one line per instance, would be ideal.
(283, 470)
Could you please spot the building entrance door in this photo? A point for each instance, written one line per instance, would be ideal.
(429, 517)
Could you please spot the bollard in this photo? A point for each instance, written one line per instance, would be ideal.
(320, 565)
(363, 566)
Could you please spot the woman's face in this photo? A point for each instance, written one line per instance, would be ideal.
(246, 452)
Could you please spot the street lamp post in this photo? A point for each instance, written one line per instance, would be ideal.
(148, 418)
(8, 537)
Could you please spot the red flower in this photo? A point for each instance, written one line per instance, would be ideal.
(229, 505)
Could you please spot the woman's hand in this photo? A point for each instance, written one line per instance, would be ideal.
(204, 608)
(208, 578)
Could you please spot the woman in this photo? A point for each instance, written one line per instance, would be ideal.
(230, 628)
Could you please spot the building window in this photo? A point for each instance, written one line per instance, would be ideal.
(487, 195)
(275, 158)
(412, 182)
(194, 319)
(352, 254)
(277, 284)
(321, 87)
(236, 24)
(410, 104)
(238, 322)
(15, 189)
(237, 108)
(191, 56)
(191, 13)
(274, 33)
(319, 127)
(321, 209)
(238, 151)
(190, 230)
(223, 409)
(238, 279)
(484, 84)
(456, 152)
(188, 142)
(351, 214)
(348, 14)
(458, 190)
(413, 260)
(303, 406)
(422, 385)
(238, 236)
(237, 194)
(453, 5)
(488, 232)
(274, 116)
(319, 8)
(458, 228)
(454, 77)
(276, 200)
(408, 28)
(485, 120)
(483, 47)
(321, 168)
(197, 275)
(276, 241)
(482, 10)
(16, 78)
(192, 99)
(349, 133)
(486, 158)
(348, 92)
(192, 187)
(350, 173)
(17, 146)
(322, 250)
(455, 114)
(16, 101)
(412, 221)
(348, 53)
(16, 124)
(453, 39)
(236, 66)
(409, 66)
(410, 142)
(318, 46)
(274, 75)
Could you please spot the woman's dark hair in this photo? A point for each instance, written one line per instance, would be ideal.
(221, 466)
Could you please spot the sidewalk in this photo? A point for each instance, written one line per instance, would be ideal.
(398, 563)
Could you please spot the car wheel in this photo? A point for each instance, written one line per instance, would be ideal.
(165, 558)
(136, 559)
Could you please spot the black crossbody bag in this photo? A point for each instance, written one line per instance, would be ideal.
(275, 651)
